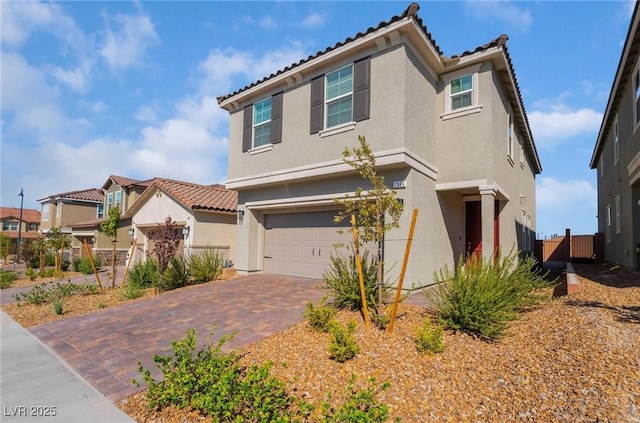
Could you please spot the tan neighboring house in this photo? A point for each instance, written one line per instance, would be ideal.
(616, 157)
(12, 226)
(64, 209)
(450, 135)
(205, 216)
(118, 191)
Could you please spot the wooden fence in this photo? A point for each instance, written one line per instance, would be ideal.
(552, 254)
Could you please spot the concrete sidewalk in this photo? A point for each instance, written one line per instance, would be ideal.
(37, 386)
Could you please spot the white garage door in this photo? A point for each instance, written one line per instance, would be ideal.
(300, 244)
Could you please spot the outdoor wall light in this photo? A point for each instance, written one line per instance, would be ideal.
(130, 232)
(240, 215)
(185, 231)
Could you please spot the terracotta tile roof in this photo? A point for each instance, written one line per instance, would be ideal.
(87, 223)
(23, 234)
(411, 11)
(91, 194)
(28, 215)
(124, 182)
(200, 197)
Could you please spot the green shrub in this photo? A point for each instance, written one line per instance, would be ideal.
(213, 383)
(342, 346)
(177, 274)
(31, 274)
(64, 266)
(83, 264)
(206, 265)
(58, 306)
(483, 295)
(343, 283)
(40, 295)
(144, 274)
(131, 292)
(429, 338)
(101, 305)
(359, 406)
(7, 278)
(320, 316)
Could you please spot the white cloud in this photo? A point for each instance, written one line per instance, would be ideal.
(125, 46)
(503, 10)
(558, 203)
(267, 22)
(313, 20)
(77, 79)
(146, 114)
(19, 19)
(551, 128)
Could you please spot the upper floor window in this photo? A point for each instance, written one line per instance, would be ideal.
(262, 122)
(45, 212)
(339, 96)
(118, 197)
(10, 225)
(608, 223)
(59, 209)
(109, 199)
(616, 144)
(100, 211)
(510, 137)
(461, 94)
(522, 154)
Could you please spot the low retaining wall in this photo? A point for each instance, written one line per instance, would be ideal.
(573, 283)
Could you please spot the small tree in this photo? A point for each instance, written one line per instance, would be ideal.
(110, 228)
(377, 210)
(58, 242)
(166, 242)
(6, 246)
(39, 246)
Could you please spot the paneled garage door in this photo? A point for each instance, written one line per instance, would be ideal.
(300, 244)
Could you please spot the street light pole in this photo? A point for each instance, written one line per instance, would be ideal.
(20, 225)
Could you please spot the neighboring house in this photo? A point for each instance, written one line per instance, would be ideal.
(12, 226)
(205, 216)
(64, 209)
(450, 134)
(118, 191)
(616, 157)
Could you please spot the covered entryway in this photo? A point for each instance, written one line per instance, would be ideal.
(300, 244)
(473, 228)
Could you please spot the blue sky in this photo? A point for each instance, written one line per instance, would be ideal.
(91, 89)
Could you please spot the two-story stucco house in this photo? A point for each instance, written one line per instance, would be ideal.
(616, 157)
(16, 223)
(450, 134)
(64, 209)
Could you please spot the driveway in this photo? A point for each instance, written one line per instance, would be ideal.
(105, 347)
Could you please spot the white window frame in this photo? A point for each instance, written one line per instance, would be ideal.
(510, 135)
(59, 209)
(475, 107)
(608, 223)
(616, 141)
(521, 153)
(109, 199)
(99, 208)
(261, 124)
(45, 212)
(117, 200)
(10, 225)
(618, 217)
(328, 101)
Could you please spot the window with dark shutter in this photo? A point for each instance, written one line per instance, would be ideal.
(317, 104)
(361, 96)
(276, 118)
(247, 128)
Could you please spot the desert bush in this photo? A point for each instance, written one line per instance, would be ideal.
(359, 406)
(429, 338)
(58, 306)
(7, 278)
(483, 295)
(319, 316)
(342, 346)
(31, 274)
(214, 383)
(177, 274)
(39, 294)
(343, 283)
(144, 274)
(206, 265)
(83, 264)
(132, 291)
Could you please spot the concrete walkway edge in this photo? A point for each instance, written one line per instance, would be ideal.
(37, 386)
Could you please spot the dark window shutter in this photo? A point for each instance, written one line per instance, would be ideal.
(276, 118)
(317, 104)
(361, 82)
(247, 128)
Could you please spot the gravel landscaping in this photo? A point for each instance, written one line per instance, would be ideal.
(573, 359)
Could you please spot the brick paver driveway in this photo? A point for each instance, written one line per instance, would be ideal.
(105, 346)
